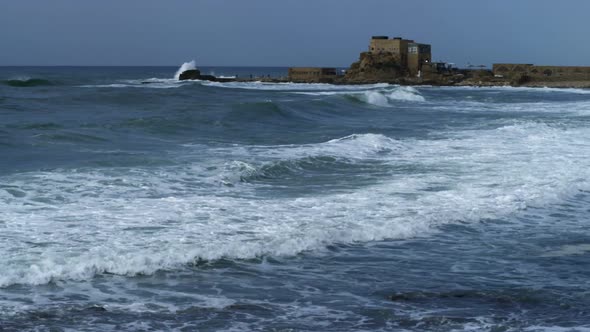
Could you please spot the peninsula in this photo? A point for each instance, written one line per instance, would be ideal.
(406, 62)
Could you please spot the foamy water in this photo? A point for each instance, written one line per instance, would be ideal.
(490, 174)
(245, 206)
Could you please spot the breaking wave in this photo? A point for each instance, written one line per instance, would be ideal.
(347, 154)
(378, 96)
(384, 98)
(150, 83)
(28, 82)
(142, 220)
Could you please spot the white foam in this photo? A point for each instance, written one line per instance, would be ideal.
(150, 83)
(74, 224)
(185, 66)
(355, 146)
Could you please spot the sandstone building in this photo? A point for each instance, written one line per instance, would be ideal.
(410, 55)
(397, 46)
(393, 60)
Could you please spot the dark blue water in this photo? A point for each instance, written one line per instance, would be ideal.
(133, 202)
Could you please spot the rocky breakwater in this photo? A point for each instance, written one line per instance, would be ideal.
(195, 74)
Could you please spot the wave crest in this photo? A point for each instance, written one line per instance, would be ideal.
(383, 96)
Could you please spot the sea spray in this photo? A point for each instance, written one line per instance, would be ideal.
(185, 66)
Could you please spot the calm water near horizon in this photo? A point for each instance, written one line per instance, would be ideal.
(133, 202)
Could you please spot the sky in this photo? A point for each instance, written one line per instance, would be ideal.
(288, 32)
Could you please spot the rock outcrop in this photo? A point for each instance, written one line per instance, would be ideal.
(386, 68)
(372, 68)
(191, 74)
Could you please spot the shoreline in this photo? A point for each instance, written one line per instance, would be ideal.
(482, 84)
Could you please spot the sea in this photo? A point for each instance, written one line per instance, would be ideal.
(131, 201)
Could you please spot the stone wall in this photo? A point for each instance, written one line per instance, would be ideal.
(514, 71)
(312, 74)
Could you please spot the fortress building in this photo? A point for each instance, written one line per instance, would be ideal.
(396, 46)
(418, 56)
(411, 56)
(387, 59)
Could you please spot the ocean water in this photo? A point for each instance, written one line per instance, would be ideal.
(130, 201)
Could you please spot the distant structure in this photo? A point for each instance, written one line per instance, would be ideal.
(312, 74)
(387, 59)
(410, 55)
(523, 72)
(396, 46)
(418, 56)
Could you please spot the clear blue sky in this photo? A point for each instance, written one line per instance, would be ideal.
(288, 32)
